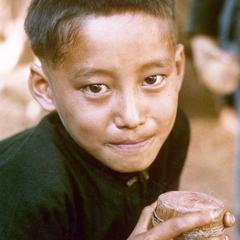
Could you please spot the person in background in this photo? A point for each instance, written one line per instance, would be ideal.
(214, 30)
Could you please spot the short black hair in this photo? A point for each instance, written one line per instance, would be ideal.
(50, 23)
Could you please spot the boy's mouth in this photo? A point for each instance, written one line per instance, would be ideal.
(132, 145)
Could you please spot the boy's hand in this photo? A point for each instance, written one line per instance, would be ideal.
(174, 227)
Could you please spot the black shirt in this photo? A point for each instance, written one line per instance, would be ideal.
(51, 189)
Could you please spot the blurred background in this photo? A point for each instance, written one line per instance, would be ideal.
(210, 163)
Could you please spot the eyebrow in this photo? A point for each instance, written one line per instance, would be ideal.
(158, 63)
(89, 72)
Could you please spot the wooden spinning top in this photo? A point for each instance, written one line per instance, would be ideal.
(177, 203)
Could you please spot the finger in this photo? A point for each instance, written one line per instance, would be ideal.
(176, 226)
(226, 237)
(145, 219)
(228, 219)
(223, 237)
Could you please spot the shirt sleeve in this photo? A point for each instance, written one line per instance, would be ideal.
(33, 203)
(203, 17)
(26, 214)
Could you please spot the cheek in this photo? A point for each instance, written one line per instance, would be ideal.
(167, 103)
(85, 119)
(165, 111)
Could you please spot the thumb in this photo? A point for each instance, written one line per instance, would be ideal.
(229, 219)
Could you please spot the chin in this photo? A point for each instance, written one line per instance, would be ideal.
(133, 167)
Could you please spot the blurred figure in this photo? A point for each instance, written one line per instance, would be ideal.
(12, 36)
(214, 27)
(13, 72)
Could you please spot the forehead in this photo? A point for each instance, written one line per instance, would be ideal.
(123, 21)
(127, 28)
(120, 37)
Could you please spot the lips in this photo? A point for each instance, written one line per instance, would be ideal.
(132, 145)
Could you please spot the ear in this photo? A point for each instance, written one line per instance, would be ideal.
(40, 88)
(180, 64)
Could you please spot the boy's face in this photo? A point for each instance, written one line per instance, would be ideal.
(117, 91)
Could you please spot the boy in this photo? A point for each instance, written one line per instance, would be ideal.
(112, 71)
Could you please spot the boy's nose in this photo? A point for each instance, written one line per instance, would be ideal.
(129, 112)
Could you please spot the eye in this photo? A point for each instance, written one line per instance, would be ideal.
(95, 89)
(154, 80)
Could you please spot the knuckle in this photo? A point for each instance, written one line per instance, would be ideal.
(180, 225)
(226, 237)
(177, 225)
(150, 237)
(147, 210)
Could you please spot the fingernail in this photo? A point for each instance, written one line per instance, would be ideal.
(230, 218)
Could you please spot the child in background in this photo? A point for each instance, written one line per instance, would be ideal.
(213, 26)
(110, 75)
